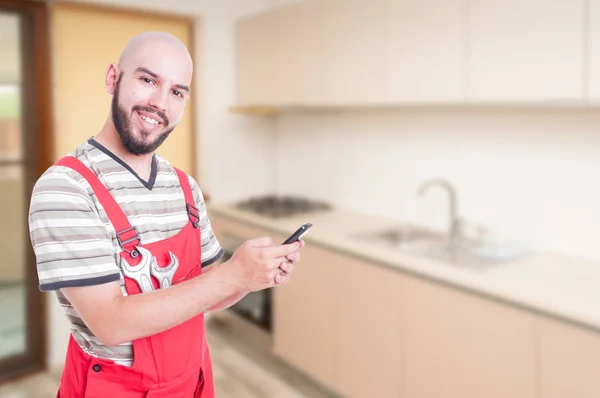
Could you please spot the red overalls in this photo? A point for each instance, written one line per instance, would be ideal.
(175, 363)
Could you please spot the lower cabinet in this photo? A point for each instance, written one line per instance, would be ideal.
(461, 345)
(368, 328)
(365, 330)
(303, 315)
(339, 320)
(569, 361)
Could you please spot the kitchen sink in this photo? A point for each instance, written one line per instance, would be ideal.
(403, 236)
(429, 244)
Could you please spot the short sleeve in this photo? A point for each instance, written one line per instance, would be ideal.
(72, 245)
(211, 248)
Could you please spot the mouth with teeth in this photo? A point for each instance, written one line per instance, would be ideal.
(148, 121)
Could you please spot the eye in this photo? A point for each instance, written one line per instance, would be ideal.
(147, 80)
(177, 93)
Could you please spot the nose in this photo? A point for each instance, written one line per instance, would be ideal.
(158, 99)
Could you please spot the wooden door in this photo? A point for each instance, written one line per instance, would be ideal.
(25, 132)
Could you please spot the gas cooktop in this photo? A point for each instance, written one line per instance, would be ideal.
(275, 206)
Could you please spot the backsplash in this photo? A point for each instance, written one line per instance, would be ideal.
(528, 174)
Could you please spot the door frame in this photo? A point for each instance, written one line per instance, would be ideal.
(36, 139)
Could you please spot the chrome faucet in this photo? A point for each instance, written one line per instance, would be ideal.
(454, 228)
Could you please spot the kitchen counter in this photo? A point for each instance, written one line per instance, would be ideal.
(559, 286)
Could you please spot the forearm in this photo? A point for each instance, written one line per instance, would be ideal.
(228, 302)
(146, 314)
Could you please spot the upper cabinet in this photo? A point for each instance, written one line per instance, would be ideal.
(354, 62)
(257, 59)
(425, 48)
(526, 50)
(388, 52)
(300, 50)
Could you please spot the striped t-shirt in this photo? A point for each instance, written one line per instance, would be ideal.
(75, 243)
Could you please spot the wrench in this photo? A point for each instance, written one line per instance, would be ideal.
(141, 272)
(165, 275)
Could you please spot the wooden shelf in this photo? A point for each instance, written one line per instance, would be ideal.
(273, 110)
(254, 110)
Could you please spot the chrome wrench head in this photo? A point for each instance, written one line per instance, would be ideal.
(165, 275)
(140, 273)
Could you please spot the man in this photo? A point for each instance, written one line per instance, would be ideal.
(124, 240)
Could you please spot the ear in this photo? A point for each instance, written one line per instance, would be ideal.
(112, 75)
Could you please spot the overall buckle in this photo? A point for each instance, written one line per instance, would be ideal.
(133, 253)
(193, 214)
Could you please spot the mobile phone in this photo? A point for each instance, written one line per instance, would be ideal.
(300, 232)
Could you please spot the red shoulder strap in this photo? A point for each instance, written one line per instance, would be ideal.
(189, 197)
(126, 234)
(185, 186)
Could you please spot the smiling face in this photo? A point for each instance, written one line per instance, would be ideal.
(150, 91)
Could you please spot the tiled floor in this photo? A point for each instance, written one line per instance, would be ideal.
(243, 367)
(12, 314)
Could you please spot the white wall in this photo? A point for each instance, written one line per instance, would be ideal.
(531, 174)
(235, 152)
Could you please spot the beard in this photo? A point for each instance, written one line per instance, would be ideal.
(122, 122)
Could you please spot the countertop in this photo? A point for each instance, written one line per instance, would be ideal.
(563, 287)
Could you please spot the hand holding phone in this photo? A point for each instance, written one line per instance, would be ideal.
(298, 234)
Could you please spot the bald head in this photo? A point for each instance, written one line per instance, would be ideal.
(151, 41)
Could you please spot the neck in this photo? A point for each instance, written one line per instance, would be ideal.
(110, 139)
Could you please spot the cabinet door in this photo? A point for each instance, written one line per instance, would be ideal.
(426, 50)
(461, 345)
(368, 311)
(303, 315)
(257, 59)
(300, 50)
(526, 50)
(593, 50)
(354, 63)
(569, 360)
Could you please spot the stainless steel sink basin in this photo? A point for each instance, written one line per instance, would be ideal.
(403, 236)
(425, 243)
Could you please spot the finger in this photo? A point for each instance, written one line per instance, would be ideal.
(279, 278)
(282, 279)
(283, 265)
(294, 257)
(287, 266)
(262, 242)
(283, 250)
